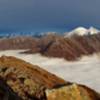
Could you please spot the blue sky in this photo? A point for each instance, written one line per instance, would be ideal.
(48, 15)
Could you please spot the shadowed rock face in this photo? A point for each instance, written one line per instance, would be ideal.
(33, 83)
(70, 48)
(6, 93)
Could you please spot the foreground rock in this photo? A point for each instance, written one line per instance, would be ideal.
(33, 83)
(71, 92)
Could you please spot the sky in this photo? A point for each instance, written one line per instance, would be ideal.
(48, 15)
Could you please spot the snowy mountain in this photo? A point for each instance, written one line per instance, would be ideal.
(80, 31)
(93, 30)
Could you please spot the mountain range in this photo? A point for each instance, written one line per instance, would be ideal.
(53, 45)
(34, 83)
(77, 31)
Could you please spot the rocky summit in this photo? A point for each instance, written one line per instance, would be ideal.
(30, 82)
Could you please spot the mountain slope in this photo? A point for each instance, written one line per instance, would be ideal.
(70, 48)
(34, 83)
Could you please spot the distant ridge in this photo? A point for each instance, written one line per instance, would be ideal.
(77, 31)
(69, 48)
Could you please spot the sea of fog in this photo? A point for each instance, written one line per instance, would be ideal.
(85, 71)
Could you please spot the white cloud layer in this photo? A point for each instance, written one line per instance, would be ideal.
(85, 71)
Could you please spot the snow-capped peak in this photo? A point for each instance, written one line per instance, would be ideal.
(77, 31)
(80, 31)
(93, 30)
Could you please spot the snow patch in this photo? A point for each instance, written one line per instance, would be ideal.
(80, 31)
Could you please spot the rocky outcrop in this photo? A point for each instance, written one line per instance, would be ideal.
(71, 92)
(25, 79)
(31, 82)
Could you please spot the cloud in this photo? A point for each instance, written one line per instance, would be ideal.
(85, 71)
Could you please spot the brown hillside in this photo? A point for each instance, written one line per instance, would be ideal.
(70, 48)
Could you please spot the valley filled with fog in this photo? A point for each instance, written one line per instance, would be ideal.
(84, 71)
